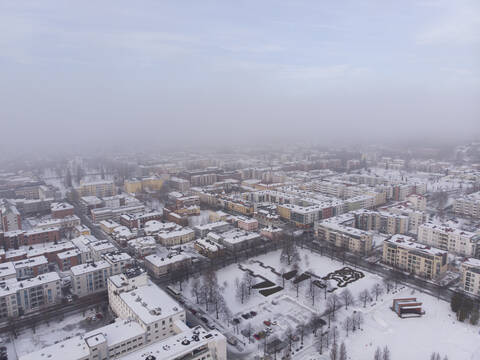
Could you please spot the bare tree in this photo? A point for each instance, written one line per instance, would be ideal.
(333, 303)
(289, 252)
(249, 281)
(378, 354)
(334, 352)
(347, 324)
(386, 353)
(377, 290)
(242, 292)
(316, 323)
(312, 291)
(347, 297)
(301, 331)
(364, 296)
(388, 283)
(195, 290)
(334, 332)
(357, 320)
(321, 342)
(343, 352)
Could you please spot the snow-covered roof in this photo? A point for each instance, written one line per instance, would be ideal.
(89, 267)
(150, 303)
(409, 243)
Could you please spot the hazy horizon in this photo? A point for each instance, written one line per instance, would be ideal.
(238, 72)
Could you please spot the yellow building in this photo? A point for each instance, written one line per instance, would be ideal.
(403, 253)
(133, 186)
(284, 212)
(138, 185)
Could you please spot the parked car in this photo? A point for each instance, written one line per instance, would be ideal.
(267, 322)
(236, 321)
(246, 316)
(99, 316)
(253, 313)
(211, 326)
(204, 319)
(256, 336)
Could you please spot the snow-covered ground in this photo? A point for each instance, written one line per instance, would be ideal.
(409, 338)
(55, 331)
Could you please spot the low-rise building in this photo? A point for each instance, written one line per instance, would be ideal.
(159, 266)
(61, 209)
(142, 246)
(247, 224)
(402, 252)
(209, 248)
(218, 226)
(176, 237)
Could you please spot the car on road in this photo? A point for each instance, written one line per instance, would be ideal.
(211, 326)
(204, 319)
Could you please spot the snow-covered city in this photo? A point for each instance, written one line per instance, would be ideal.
(240, 180)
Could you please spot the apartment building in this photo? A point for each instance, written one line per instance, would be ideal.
(451, 239)
(159, 266)
(402, 252)
(468, 205)
(336, 232)
(60, 210)
(152, 183)
(142, 246)
(218, 226)
(138, 220)
(119, 261)
(209, 248)
(101, 188)
(22, 297)
(179, 184)
(247, 224)
(90, 278)
(384, 222)
(471, 276)
(69, 258)
(31, 267)
(236, 240)
(15, 239)
(418, 202)
(176, 237)
(68, 222)
(150, 325)
(10, 218)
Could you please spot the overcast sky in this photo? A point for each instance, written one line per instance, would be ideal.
(196, 71)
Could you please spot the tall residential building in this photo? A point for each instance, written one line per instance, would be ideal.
(402, 252)
(450, 239)
(101, 188)
(468, 205)
(471, 276)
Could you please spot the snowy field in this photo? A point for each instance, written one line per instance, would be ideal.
(53, 332)
(408, 338)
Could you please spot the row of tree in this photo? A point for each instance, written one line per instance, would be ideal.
(465, 308)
